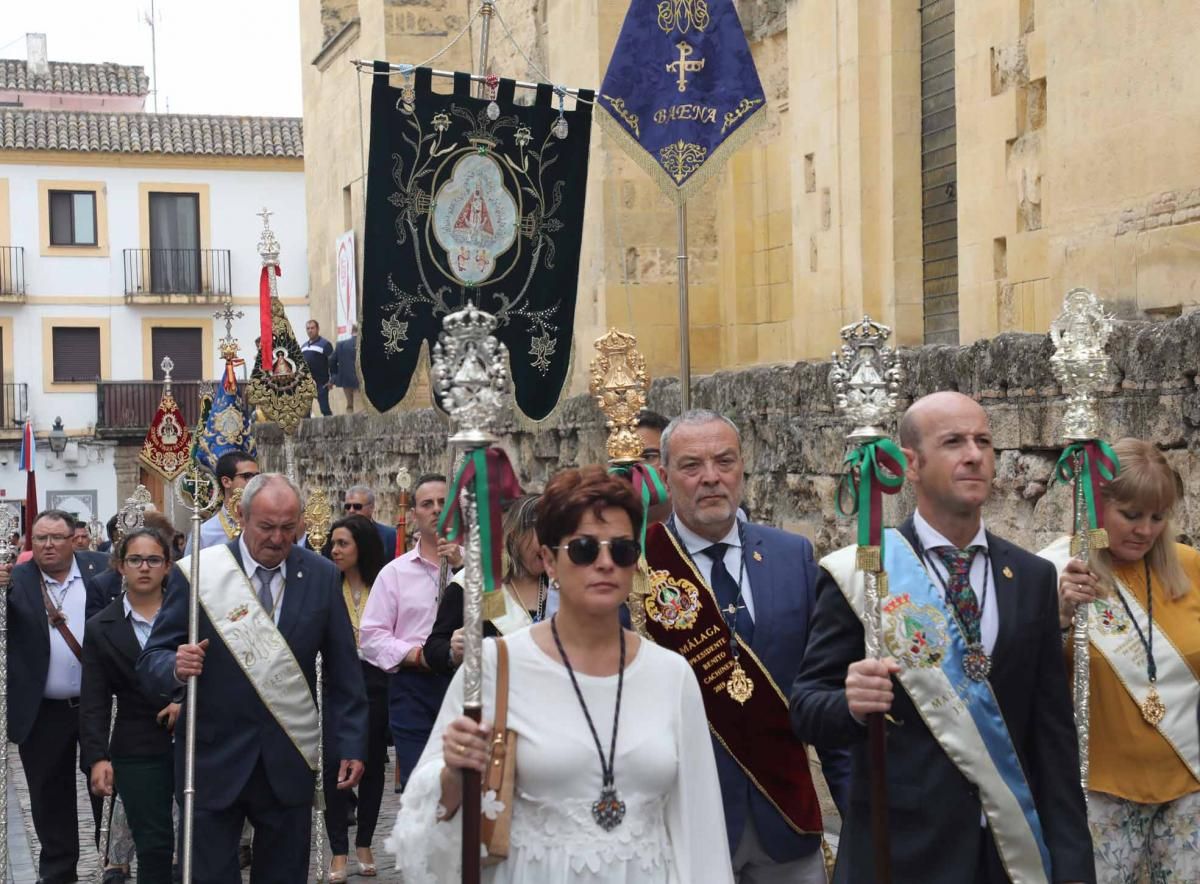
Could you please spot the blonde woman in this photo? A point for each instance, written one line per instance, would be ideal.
(1144, 780)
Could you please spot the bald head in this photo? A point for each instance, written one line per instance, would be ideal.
(928, 411)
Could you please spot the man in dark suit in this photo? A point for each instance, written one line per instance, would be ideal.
(256, 730)
(938, 830)
(343, 367)
(770, 578)
(360, 501)
(44, 675)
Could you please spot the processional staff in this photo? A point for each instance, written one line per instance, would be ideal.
(618, 382)
(9, 524)
(470, 376)
(865, 379)
(283, 388)
(1080, 365)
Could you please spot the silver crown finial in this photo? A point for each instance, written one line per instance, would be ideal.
(470, 374)
(268, 245)
(866, 378)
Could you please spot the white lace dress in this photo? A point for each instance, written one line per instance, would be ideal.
(674, 827)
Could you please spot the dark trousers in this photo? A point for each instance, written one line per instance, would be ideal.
(414, 699)
(370, 788)
(146, 784)
(282, 837)
(51, 765)
(323, 399)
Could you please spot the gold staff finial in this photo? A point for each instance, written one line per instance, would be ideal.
(619, 383)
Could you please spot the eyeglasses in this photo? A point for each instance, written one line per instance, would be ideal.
(354, 507)
(585, 550)
(146, 561)
(52, 538)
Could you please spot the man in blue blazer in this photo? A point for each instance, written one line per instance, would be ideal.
(360, 501)
(44, 677)
(276, 606)
(764, 580)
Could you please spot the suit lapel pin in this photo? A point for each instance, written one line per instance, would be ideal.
(757, 556)
(1007, 572)
(299, 574)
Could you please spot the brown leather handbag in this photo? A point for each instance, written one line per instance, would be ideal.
(501, 776)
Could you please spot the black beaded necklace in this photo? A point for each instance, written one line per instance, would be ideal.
(608, 810)
(1152, 707)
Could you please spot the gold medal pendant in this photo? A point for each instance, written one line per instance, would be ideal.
(1153, 708)
(739, 686)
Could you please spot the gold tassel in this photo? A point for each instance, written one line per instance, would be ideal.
(638, 594)
(493, 604)
(869, 558)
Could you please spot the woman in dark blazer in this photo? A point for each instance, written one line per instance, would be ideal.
(355, 547)
(138, 761)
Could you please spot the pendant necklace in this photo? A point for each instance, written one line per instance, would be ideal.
(977, 662)
(1153, 708)
(608, 810)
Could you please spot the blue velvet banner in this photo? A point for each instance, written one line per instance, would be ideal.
(681, 92)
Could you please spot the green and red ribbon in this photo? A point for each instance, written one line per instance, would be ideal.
(872, 470)
(266, 331)
(489, 475)
(648, 485)
(1092, 463)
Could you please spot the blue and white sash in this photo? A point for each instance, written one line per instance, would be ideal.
(962, 714)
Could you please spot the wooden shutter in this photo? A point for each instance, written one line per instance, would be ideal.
(939, 173)
(184, 346)
(76, 354)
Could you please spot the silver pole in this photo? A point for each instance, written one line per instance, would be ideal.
(486, 8)
(368, 67)
(1081, 643)
(110, 801)
(319, 802)
(685, 359)
(189, 744)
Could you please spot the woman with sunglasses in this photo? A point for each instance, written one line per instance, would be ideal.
(615, 777)
(138, 762)
(354, 546)
(527, 596)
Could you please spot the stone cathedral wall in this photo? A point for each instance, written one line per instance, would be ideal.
(793, 443)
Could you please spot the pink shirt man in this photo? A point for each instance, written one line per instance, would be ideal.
(400, 610)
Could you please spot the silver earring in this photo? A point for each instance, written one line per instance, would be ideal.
(553, 585)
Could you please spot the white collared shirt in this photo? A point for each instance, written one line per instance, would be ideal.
(277, 582)
(694, 543)
(930, 539)
(65, 673)
(141, 626)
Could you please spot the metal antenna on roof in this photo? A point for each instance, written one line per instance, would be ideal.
(150, 19)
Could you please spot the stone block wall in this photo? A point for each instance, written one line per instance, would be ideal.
(793, 442)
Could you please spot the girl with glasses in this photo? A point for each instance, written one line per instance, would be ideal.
(354, 546)
(527, 595)
(615, 776)
(138, 762)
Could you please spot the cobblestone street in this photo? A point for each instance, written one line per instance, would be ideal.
(23, 846)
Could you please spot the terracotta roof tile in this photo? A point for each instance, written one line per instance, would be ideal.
(151, 133)
(107, 78)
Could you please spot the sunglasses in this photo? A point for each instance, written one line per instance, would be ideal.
(353, 507)
(585, 550)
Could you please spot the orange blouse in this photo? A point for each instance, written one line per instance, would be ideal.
(1129, 758)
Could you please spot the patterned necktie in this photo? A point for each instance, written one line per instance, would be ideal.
(265, 577)
(958, 588)
(727, 592)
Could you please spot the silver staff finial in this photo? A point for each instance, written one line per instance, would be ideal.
(470, 375)
(132, 516)
(865, 379)
(1080, 364)
(167, 365)
(268, 245)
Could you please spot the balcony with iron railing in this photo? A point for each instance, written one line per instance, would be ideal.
(192, 276)
(12, 273)
(14, 405)
(124, 409)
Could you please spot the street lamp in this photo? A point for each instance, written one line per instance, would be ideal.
(58, 437)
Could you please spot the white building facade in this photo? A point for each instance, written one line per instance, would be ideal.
(121, 234)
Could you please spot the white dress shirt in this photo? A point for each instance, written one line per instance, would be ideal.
(989, 611)
(65, 673)
(141, 626)
(694, 543)
(277, 582)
